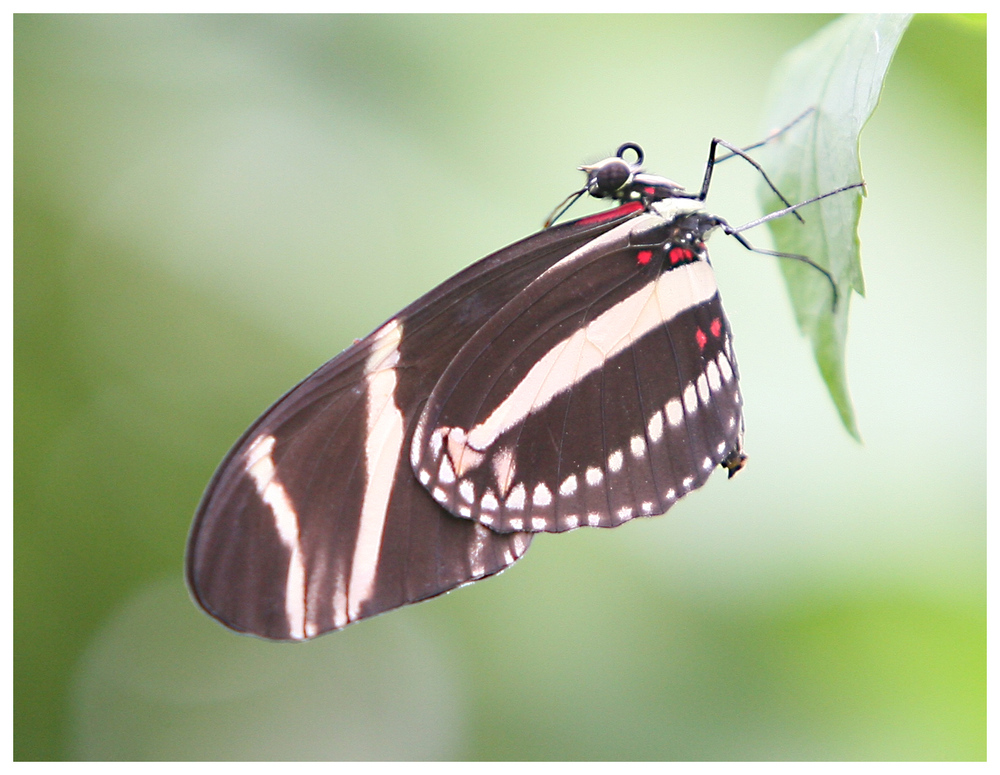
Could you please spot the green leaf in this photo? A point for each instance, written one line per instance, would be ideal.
(839, 73)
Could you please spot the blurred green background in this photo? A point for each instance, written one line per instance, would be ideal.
(208, 207)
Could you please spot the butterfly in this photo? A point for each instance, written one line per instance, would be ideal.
(583, 376)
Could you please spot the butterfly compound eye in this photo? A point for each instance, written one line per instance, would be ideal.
(608, 177)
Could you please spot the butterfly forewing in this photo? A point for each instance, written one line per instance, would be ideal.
(315, 518)
(604, 391)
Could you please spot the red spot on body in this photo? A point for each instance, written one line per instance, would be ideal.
(716, 328)
(644, 256)
(610, 215)
(702, 339)
(678, 254)
(650, 190)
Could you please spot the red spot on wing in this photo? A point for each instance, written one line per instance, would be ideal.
(610, 215)
(702, 339)
(644, 256)
(716, 327)
(678, 254)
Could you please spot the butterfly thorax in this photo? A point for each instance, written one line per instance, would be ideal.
(676, 239)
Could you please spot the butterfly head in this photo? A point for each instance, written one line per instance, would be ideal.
(622, 180)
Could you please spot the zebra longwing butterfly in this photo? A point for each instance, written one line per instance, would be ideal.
(583, 376)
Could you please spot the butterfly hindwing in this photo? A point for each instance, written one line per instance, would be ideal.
(315, 518)
(605, 390)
